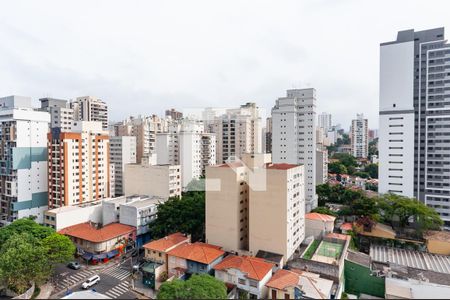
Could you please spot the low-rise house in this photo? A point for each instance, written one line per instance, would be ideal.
(415, 289)
(99, 244)
(155, 270)
(346, 228)
(297, 284)
(438, 242)
(196, 258)
(245, 273)
(318, 225)
(274, 258)
(66, 216)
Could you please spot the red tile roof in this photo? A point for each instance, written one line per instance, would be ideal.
(167, 242)
(199, 252)
(338, 236)
(87, 232)
(255, 268)
(283, 279)
(320, 217)
(347, 226)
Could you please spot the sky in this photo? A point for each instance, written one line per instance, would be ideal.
(143, 57)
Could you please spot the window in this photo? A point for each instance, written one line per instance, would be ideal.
(253, 283)
(241, 281)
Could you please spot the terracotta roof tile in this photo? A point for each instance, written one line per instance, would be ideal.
(320, 217)
(338, 236)
(166, 243)
(199, 252)
(255, 268)
(283, 279)
(281, 166)
(88, 232)
(347, 226)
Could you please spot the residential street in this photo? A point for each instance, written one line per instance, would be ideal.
(115, 280)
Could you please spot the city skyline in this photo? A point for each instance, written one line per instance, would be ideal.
(118, 63)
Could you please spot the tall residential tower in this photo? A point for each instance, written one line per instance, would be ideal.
(294, 136)
(414, 135)
(359, 137)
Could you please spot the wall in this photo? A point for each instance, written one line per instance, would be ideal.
(316, 228)
(328, 271)
(438, 247)
(358, 280)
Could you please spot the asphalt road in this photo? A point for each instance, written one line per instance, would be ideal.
(115, 280)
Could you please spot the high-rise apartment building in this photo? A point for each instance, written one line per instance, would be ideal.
(23, 160)
(173, 114)
(122, 152)
(244, 216)
(90, 108)
(359, 136)
(294, 136)
(321, 157)
(324, 121)
(186, 144)
(78, 165)
(268, 136)
(154, 180)
(145, 130)
(414, 135)
(60, 113)
(238, 131)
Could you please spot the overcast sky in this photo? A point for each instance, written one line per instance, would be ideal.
(142, 57)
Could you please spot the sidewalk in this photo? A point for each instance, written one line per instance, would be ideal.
(143, 290)
(46, 291)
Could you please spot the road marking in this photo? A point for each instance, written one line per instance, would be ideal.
(116, 294)
(122, 289)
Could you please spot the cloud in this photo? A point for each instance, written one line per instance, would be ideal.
(146, 56)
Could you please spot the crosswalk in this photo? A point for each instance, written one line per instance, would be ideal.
(117, 272)
(68, 281)
(118, 290)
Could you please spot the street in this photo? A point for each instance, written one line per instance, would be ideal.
(115, 279)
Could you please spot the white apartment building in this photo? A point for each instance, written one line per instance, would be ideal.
(359, 136)
(324, 121)
(238, 131)
(89, 108)
(157, 180)
(61, 115)
(112, 180)
(145, 130)
(186, 144)
(244, 216)
(78, 165)
(294, 136)
(23, 160)
(414, 135)
(122, 152)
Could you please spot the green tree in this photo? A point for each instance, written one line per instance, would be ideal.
(346, 159)
(337, 168)
(59, 248)
(362, 174)
(25, 225)
(186, 215)
(401, 210)
(324, 210)
(372, 170)
(197, 287)
(23, 261)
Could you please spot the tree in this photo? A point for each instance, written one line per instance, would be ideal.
(362, 174)
(403, 210)
(186, 215)
(372, 170)
(323, 192)
(197, 287)
(59, 248)
(337, 168)
(22, 261)
(25, 225)
(324, 210)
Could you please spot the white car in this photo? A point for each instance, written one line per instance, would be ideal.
(91, 281)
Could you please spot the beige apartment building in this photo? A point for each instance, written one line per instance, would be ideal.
(248, 213)
(145, 130)
(156, 180)
(78, 165)
(238, 131)
(90, 108)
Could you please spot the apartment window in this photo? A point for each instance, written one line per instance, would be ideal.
(241, 281)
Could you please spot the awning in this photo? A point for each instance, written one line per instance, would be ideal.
(100, 256)
(87, 256)
(112, 253)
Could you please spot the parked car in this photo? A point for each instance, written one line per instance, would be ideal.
(74, 265)
(91, 281)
